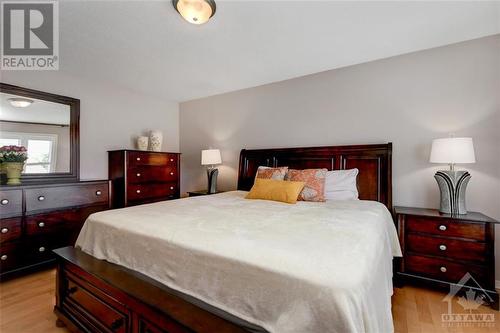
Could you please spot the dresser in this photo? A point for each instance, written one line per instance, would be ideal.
(441, 250)
(140, 177)
(35, 219)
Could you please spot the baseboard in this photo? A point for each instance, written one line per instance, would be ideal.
(497, 284)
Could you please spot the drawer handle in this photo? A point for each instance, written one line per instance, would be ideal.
(117, 324)
(41, 249)
(138, 191)
(138, 158)
(442, 227)
(442, 247)
(138, 174)
(171, 187)
(4, 257)
(72, 290)
(98, 192)
(41, 224)
(41, 198)
(171, 174)
(5, 201)
(443, 269)
(171, 160)
(5, 230)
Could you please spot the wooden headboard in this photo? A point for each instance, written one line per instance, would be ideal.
(373, 161)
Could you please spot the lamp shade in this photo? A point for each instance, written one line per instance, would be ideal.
(210, 157)
(452, 151)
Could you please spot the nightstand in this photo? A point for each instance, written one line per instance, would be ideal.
(199, 193)
(439, 250)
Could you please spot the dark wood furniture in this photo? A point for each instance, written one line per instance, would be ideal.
(140, 177)
(202, 192)
(97, 296)
(373, 161)
(74, 164)
(440, 249)
(35, 219)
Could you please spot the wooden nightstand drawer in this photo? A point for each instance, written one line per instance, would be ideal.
(444, 270)
(476, 231)
(447, 248)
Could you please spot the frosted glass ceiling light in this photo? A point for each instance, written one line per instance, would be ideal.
(195, 11)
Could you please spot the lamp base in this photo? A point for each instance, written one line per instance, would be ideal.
(452, 185)
(212, 180)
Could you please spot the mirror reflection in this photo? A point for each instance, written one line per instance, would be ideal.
(42, 127)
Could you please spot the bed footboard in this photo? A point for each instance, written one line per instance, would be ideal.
(96, 296)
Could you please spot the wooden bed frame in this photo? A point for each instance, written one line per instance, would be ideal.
(96, 296)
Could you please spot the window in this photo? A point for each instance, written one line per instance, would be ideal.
(42, 149)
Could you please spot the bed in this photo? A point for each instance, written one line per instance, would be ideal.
(222, 263)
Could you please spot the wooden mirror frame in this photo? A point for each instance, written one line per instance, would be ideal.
(74, 132)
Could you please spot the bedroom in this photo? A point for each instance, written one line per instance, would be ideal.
(361, 89)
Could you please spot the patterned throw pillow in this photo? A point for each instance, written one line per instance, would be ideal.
(314, 190)
(271, 173)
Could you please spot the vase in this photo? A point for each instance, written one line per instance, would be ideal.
(155, 140)
(13, 170)
(142, 142)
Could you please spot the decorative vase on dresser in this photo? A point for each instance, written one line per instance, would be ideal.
(140, 177)
(36, 219)
(455, 252)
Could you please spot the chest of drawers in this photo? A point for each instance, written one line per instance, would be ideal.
(35, 219)
(140, 177)
(443, 250)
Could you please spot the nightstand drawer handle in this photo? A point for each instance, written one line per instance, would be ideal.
(5, 201)
(442, 227)
(5, 230)
(41, 249)
(41, 224)
(41, 198)
(443, 269)
(4, 257)
(442, 247)
(98, 192)
(138, 191)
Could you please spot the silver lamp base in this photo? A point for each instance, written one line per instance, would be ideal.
(452, 185)
(212, 180)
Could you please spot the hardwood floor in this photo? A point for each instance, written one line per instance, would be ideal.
(26, 307)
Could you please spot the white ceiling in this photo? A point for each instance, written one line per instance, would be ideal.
(39, 111)
(148, 47)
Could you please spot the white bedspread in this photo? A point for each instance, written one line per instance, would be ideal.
(309, 267)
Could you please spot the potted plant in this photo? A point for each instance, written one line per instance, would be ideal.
(12, 159)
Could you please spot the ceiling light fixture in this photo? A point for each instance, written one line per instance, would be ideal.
(195, 11)
(20, 102)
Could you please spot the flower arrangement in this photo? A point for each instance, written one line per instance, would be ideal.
(13, 154)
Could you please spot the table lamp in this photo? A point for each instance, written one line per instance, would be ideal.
(211, 157)
(452, 183)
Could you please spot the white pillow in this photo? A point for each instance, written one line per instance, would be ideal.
(341, 185)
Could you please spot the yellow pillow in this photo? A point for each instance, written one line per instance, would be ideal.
(275, 190)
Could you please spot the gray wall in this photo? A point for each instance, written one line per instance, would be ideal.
(110, 116)
(408, 100)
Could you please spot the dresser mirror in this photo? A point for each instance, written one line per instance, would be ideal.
(47, 125)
